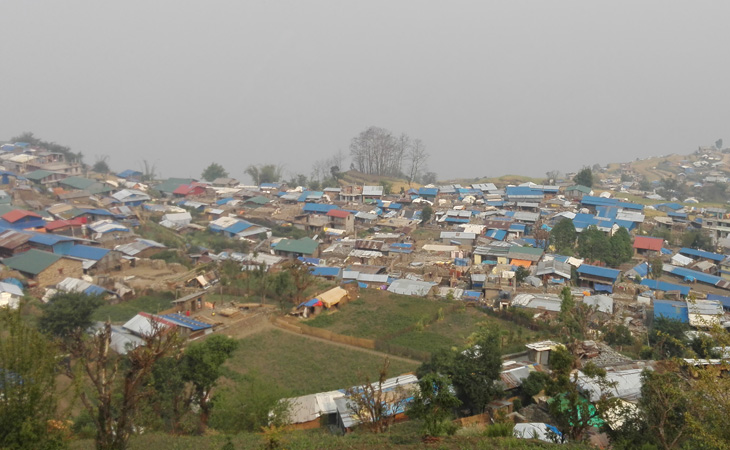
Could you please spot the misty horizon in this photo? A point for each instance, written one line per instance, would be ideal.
(490, 89)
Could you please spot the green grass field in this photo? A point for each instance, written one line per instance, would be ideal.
(403, 436)
(122, 312)
(384, 316)
(377, 313)
(304, 366)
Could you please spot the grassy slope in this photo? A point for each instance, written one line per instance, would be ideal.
(304, 366)
(403, 436)
(377, 314)
(121, 312)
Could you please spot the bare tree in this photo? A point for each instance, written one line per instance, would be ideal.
(377, 151)
(116, 381)
(418, 156)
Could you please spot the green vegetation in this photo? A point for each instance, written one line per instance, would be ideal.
(213, 171)
(123, 311)
(305, 366)
(584, 177)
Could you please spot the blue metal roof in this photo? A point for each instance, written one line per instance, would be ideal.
(674, 206)
(428, 191)
(641, 269)
(592, 200)
(223, 201)
(49, 239)
(86, 252)
(688, 274)
(186, 322)
(664, 286)
(702, 254)
(666, 251)
(129, 173)
(603, 272)
(671, 310)
(310, 261)
(523, 191)
(720, 298)
(318, 208)
(456, 220)
(498, 235)
(326, 271)
(97, 212)
(518, 227)
(237, 227)
(603, 288)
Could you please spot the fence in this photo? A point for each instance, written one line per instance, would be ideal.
(325, 334)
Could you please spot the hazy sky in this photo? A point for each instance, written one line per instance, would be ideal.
(490, 87)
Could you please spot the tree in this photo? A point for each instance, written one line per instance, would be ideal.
(562, 237)
(476, 370)
(68, 314)
(429, 178)
(149, 170)
(656, 268)
(426, 214)
(110, 386)
(621, 248)
(541, 234)
(302, 278)
(27, 385)
(202, 364)
(372, 405)
(584, 177)
(667, 338)
(552, 176)
(663, 406)
(377, 151)
(418, 156)
(697, 239)
(618, 335)
(31, 139)
(434, 403)
(593, 244)
(534, 383)
(267, 173)
(101, 165)
(214, 171)
(520, 274)
(718, 144)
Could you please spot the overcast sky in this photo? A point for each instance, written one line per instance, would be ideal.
(490, 87)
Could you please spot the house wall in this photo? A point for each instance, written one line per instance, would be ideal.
(59, 270)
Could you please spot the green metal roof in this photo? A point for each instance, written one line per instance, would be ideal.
(304, 246)
(32, 262)
(259, 200)
(171, 184)
(80, 183)
(38, 175)
(579, 187)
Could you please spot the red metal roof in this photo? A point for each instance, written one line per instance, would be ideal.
(338, 213)
(17, 214)
(648, 243)
(57, 224)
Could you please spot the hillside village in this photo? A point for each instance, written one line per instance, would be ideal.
(623, 252)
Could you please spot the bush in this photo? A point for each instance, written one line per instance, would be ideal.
(500, 430)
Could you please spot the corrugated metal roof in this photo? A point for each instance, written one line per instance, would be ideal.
(410, 287)
(33, 261)
(602, 272)
(12, 239)
(86, 252)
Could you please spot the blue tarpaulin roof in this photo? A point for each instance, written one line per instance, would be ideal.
(603, 288)
(186, 322)
(326, 271)
(310, 261)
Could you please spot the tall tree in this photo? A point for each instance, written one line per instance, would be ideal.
(267, 173)
(434, 403)
(202, 367)
(584, 177)
(68, 314)
(593, 244)
(418, 156)
(563, 236)
(27, 385)
(426, 214)
(377, 151)
(214, 171)
(664, 405)
(477, 369)
(101, 165)
(620, 248)
(372, 405)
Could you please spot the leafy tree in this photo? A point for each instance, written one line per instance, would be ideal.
(69, 313)
(718, 144)
(697, 239)
(434, 403)
(170, 396)
(535, 383)
(621, 248)
(667, 338)
(593, 244)
(30, 138)
(663, 406)
(520, 274)
(426, 214)
(584, 177)
(656, 268)
(618, 335)
(430, 178)
(27, 385)
(267, 173)
(477, 369)
(202, 364)
(562, 237)
(101, 165)
(214, 171)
